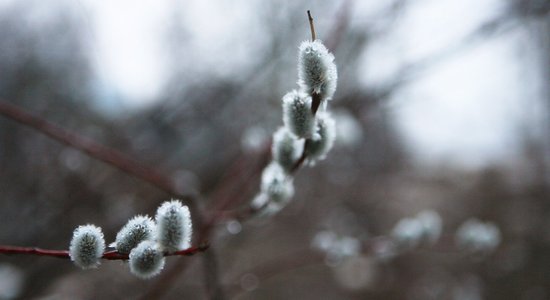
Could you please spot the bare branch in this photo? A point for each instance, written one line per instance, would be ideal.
(90, 147)
(109, 255)
(311, 25)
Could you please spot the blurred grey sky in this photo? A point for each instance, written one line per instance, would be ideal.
(468, 110)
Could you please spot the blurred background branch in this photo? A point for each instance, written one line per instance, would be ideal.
(91, 148)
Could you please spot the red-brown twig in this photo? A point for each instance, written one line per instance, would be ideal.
(109, 255)
(311, 27)
(90, 147)
(315, 104)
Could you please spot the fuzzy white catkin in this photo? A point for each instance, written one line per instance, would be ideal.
(431, 226)
(297, 115)
(276, 184)
(146, 260)
(259, 201)
(336, 247)
(316, 69)
(174, 227)
(137, 229)
(407, 234)
(286, 148)
(266, 208)
(87, 246)
(323, 139)
(478, 237)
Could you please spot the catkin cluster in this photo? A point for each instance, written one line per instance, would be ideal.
(308, 132)
(472, 236)
(145, 240)
(425, 228)
(478, 237)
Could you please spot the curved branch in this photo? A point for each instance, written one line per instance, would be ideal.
(90, 147)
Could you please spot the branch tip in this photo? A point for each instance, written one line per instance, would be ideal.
(311, 25)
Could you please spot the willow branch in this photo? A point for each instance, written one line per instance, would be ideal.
(311, 27)
(108, 255)
(315, 104)
(90, 147)
(166, 279)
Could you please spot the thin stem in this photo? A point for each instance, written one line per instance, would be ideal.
(315, 103)
(302, 158)
(108, 255)
(90, 147)
(311, 25)
(238, 179)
